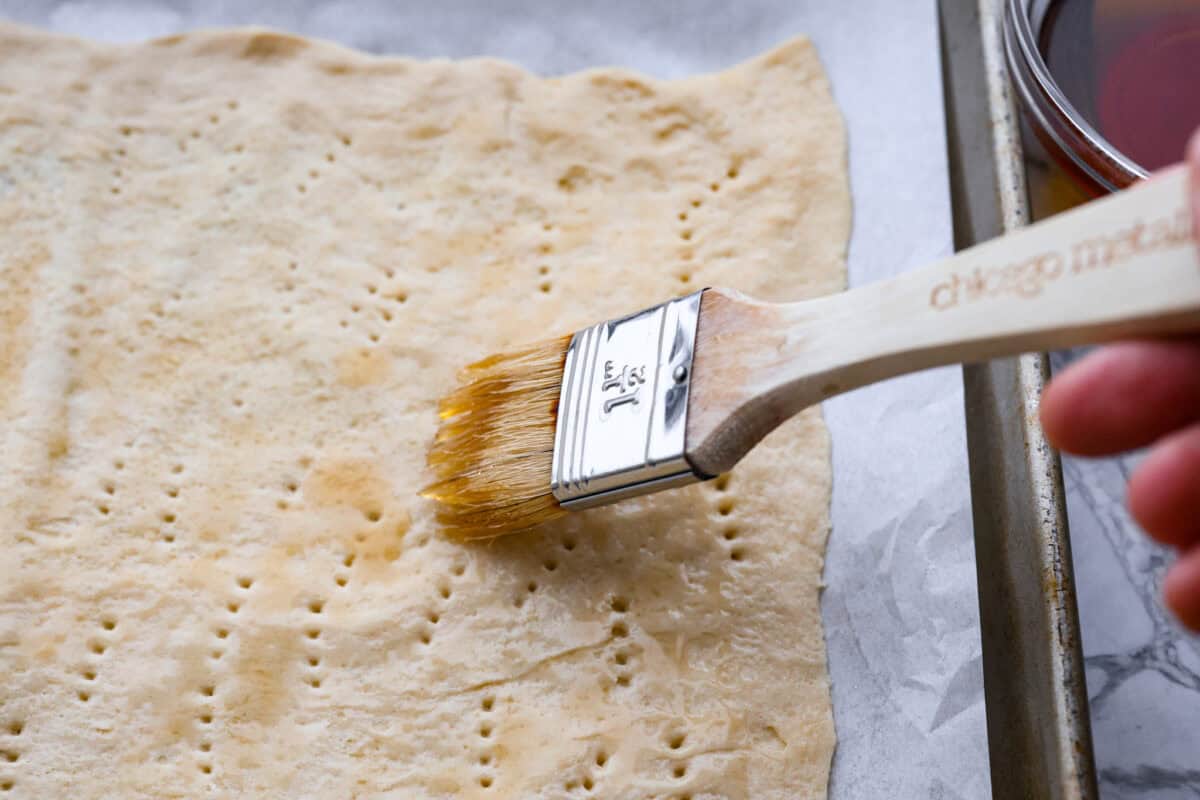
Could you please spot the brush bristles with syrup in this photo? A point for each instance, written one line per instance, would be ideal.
(491, 459)
(755, 364)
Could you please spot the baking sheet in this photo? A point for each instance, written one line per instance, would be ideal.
(1040, 743)
(900, 610)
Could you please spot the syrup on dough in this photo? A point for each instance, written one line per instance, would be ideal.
(238, 269)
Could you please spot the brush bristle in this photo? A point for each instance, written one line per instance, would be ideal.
(492, 453)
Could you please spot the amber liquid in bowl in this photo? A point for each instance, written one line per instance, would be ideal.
(1131, 68)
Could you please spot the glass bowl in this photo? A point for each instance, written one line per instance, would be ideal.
(1066, 134)
(1129, 68)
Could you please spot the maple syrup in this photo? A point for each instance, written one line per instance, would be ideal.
(1131, 69)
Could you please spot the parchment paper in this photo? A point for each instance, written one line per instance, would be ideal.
(900, 610)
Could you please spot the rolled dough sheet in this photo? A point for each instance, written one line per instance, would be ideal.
(238, 269)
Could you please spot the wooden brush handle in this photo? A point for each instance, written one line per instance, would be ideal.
(1122, 266)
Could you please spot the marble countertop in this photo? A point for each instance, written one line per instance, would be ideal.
(1143, 668)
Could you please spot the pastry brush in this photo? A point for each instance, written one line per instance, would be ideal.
(680, 392)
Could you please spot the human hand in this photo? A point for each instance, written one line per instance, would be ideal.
(1141, 393)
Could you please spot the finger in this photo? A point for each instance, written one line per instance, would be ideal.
(1165, 489)
(1123, 396)
(1181, 589)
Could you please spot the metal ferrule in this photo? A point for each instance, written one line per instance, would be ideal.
(622, 413)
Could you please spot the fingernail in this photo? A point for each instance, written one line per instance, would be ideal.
(1193, 157)
(1195, 198)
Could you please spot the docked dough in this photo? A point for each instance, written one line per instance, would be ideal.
(237, 269)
